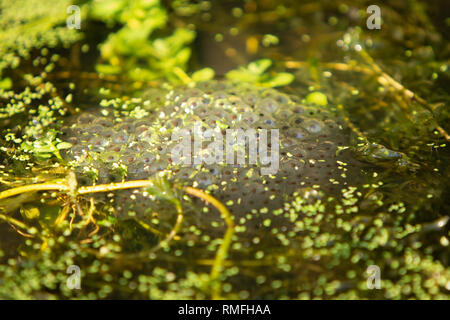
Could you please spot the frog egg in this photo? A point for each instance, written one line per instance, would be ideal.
(267, 105)
(174, 96)
(249, 118)
(155, 95)
(74, 141)
(99, 143)
(282, 98)
(175, 122)
(268, 93)
(154, 168)
(195, 103)
(179, 157)
(86, 119)
(312, 112)
(331, 125)
(127, 126)
(163, 149)
(107, 133)
(215, 170)
(219, 86)
(299, 153)
(141, 122)
(220, 104)
(134, 169)
(298, 109)
(147, 158)
(265, 122)
(110, 156)
(327, 146)
(313, 126)
(288, 142)
(241, 107)
(224, 116)
(142, 131)
(79, 151)
(268, 121)
(237, 102)
(305, 153)
(219, 95)
(283, 114)
(205, 179)
(205, 85)
(114, 147)
(227, 172)
(104, 122)
(66, 131)
(121, 137)
(193, 92)
(139, 147)
(297, 133)
(250, 173)
(296, 121)
(128, 158)
(243, 88)
(211, 122)
(80, 131)
(251, 98)
(291, 167)
(251, 190)
(184, 173)
(295, 99)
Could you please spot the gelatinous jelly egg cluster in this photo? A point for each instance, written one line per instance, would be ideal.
(119, 142)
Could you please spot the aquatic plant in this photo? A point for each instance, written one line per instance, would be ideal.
(86, 178)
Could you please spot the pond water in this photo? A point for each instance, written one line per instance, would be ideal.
(360, 197)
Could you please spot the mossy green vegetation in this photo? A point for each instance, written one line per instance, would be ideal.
(86, 178)
(31, 25)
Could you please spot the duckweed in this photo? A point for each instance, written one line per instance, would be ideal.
(363, 176)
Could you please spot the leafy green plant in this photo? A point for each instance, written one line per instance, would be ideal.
(23, 30)
(135, 49)
(257, 72)
(47, 146)
(163, 190)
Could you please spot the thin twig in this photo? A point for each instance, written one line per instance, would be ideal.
(382, 77)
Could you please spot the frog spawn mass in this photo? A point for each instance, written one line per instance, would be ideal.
(118, 142)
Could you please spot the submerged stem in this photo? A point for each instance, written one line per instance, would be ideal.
(222, 252)
(58, 185)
